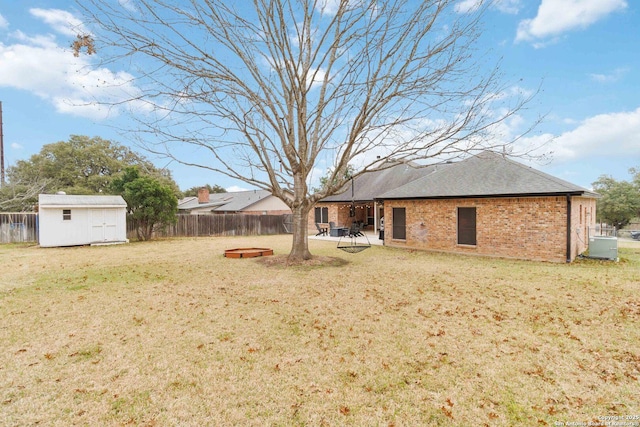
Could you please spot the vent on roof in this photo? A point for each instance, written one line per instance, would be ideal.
(61, 193)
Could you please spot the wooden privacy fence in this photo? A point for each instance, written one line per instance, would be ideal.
(18, 227)
(219, 225)
(22, 227)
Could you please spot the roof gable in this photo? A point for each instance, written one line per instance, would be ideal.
(485, 174)
(370, 184)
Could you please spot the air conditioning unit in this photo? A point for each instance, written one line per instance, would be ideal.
(603, 247)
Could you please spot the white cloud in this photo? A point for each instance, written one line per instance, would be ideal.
(37, 64)
(3, 22)
(61, 21)
(614, 76)
(507, 6)
(558, 16)
(609, 135)
(315, 78)
(44, 41)
(329, 7)
(16, 146)
(467, 6)
(504, 6)
(128, 4)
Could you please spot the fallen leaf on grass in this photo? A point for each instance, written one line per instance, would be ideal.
(447, 412)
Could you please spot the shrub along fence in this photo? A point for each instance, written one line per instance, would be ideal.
(218, 225)
(18, 227)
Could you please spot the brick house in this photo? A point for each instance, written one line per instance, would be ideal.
(489, 205)
(366, 187)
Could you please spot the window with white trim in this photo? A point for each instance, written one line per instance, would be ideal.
(322, 214)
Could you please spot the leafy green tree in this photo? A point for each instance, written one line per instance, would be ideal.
(151, 204)
(193, 191)
(329, 180)
(636, 176)
(81, 165)
(620, 200)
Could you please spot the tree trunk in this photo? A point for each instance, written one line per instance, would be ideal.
(300, 245)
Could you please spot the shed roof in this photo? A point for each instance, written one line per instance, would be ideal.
(485, 175)
(66, 200)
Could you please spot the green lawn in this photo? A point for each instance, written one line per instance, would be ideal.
(173, 333)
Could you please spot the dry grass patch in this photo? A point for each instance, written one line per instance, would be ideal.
(173, 333)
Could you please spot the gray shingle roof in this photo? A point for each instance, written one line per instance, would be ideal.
(486, 174)
(75, 200)
(232, 201)
(369, 185)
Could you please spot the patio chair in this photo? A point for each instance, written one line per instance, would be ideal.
(322, 231)
(355, 230)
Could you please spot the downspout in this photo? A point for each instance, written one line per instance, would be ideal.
(375, 216)
(568, 228)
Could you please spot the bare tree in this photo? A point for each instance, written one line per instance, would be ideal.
(21, 196)
(263, 90)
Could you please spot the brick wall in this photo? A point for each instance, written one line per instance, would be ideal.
(524, 227)
(583, 217)
(338, 213)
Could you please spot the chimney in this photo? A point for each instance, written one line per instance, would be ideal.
(203, 195)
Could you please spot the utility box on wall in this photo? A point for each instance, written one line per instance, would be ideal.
(603, 247)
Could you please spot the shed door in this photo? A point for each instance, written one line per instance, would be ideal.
(103, 225)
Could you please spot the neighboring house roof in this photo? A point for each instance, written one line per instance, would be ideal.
(189, 203)
(65, 200)
(227, 202)
(485, 175)
(371, 184)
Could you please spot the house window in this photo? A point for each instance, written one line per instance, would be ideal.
(322, 215)
(399, 228)
(66, 214)
(467, 226)
(580, 214)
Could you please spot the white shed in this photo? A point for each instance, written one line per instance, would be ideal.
(66, 220)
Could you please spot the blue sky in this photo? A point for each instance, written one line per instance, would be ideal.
(583, 53)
